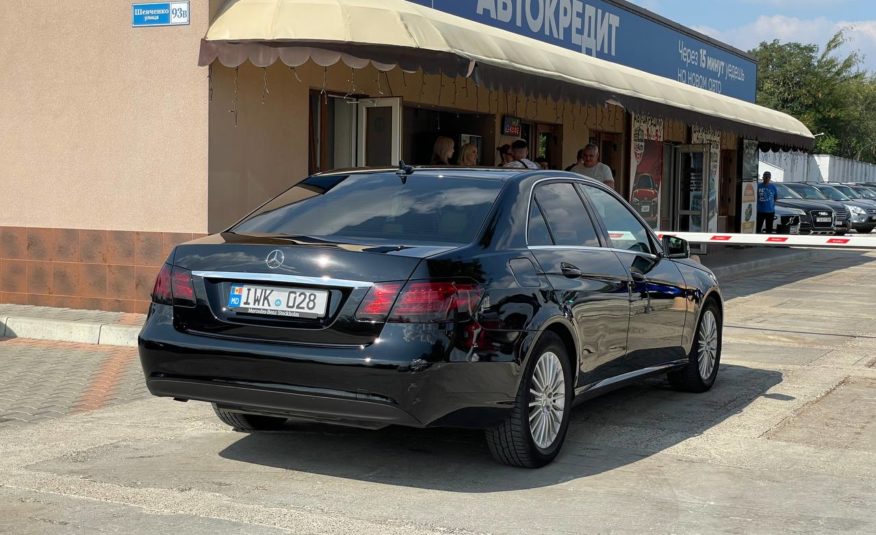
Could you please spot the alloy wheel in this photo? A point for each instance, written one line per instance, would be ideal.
(547, 400)
(707, 344)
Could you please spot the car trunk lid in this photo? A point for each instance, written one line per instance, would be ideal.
(290, 289)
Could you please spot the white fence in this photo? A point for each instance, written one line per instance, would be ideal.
(803, 167)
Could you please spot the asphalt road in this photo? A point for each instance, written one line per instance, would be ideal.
(784, 443)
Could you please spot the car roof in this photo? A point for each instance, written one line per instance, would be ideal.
(496, 173)
(480, 173)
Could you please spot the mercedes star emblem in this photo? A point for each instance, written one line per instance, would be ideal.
(275, 259)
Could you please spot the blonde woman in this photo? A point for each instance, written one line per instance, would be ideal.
(468, 155)
(442, 151)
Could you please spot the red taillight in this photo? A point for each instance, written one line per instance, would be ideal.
(183, 290)
(161, 292)
(378, 302)
(429, 302)
(420, 302)
(174, 286)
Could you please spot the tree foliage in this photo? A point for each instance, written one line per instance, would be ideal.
(829, 93)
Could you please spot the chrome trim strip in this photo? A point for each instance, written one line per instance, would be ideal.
(589, 248)
(630, 375)
(566, 247)
(278, 277)
(627, 251)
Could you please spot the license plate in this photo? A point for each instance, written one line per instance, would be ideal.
(645, 208)
(822, 219)
(794, 229)
(275, 301)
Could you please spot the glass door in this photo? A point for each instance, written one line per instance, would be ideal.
(692, 188)
(379, 140)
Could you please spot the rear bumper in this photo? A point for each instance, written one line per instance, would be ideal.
(339, 408)
(397, 382)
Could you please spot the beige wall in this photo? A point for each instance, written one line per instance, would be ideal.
(259, 123)
(104, 126)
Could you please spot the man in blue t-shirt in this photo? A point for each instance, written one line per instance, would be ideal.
(766, 203)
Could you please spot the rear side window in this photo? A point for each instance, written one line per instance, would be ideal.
(424, 209)
(538, 231)
(565, 215)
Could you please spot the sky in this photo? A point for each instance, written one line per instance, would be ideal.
(746, 23)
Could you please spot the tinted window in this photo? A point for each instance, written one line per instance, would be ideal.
(785, 192)
(808, 192)
(624, 230)
(566, 217)
(866, 193)
(379, 206)
(851, 193)
(832, 193)
(538, 231)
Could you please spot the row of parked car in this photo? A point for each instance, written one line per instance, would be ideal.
(824, 208)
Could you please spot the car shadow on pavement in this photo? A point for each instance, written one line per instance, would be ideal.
(606, 433)
(821, 262)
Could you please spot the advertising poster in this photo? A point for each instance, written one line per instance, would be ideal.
(646, 167)
(748, 204)
(699, 136)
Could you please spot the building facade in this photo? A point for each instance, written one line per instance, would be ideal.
(121, 140)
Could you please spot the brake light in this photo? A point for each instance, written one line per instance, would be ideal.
(378, 302)
(420, 302)
(430, 302)
(161, 292)
(182, 287)
(173, 285)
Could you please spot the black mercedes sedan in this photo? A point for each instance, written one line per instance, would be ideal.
(419, 297)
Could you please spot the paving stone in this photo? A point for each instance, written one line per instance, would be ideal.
(47, 379)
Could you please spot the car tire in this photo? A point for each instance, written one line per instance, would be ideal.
(699, 374)
(248, 422)
(533, 434)
(865, 230)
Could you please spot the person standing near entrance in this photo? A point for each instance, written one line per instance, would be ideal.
(442, 151)
(590, 166)
(504, 154)
(468, 155)
(766, 203)
(520, 153)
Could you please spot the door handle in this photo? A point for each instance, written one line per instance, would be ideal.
(570, 270)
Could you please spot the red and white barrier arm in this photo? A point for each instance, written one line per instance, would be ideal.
(866, 242)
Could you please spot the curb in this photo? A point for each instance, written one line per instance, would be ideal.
(69, 331)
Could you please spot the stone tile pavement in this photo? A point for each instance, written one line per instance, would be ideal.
(44, 379)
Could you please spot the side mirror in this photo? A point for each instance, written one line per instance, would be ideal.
(675, 247)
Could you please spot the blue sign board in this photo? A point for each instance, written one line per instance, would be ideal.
(160, 14)
(607, 31)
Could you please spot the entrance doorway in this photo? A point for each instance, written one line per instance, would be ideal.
(422, 126)
(689, 189)
(379, 132)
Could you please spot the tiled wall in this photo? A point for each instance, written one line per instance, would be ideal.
(87, 269)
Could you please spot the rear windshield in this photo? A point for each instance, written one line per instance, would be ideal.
(424, 209)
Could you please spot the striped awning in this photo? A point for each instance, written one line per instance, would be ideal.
(389, 34)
